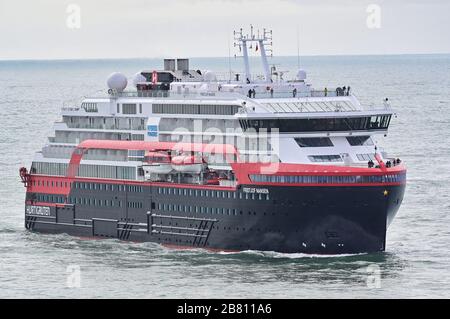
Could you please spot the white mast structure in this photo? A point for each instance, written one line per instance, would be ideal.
(264, 42)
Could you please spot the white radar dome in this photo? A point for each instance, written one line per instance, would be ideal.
(138, 78)
(301, 75)
(209, 76)
(117, 81)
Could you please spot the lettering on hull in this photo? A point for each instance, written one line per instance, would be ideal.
(37, 210)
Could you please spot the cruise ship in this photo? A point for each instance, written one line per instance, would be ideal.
(190, 158)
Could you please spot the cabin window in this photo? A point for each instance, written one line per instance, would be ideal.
(128, 108)
(365, 157)
(359, 140)
(325, 158)
(314, 141)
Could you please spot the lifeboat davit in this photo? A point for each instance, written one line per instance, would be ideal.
(188, 164)
(157, 163)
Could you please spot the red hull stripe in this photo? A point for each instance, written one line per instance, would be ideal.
(244, 170)
(62, 185)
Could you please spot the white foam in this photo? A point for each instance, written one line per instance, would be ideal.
(274, 254)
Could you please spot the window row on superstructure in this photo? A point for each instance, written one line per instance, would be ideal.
(105, 122)
(387, 178)
(199, 125)
(85, 170)
(288, 125)
(74, 137)
(207, 109)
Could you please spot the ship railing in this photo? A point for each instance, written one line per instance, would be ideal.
(181, 95)
(104, 126)
(227, 94)
(384, 106)
(293, 94)
(236, 95)
(222, 95)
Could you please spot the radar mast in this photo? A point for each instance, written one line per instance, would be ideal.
(263, 42)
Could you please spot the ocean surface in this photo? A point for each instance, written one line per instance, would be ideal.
(417, 258)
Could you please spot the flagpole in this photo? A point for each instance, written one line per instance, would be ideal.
(298, 47)
(229, 60)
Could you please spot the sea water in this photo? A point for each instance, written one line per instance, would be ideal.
(417, 258)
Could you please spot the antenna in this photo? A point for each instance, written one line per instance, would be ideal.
(263, 44)
(298, 48)
(229, 59)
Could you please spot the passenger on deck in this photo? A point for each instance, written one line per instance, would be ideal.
(254, 93)
(248, 81)
(249, 93)
(294, 92)
(348, 91)
(370, 164)
(271, 92)
(344, 89)
(325, 92)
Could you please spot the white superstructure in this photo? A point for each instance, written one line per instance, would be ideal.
(268, 118)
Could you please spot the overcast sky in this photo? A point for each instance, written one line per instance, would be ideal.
(38, 29)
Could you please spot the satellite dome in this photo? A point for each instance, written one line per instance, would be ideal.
(301, 75)
(117, 81)
(209, 76)
(138, 78)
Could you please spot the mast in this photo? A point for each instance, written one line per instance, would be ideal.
(248, 75)
(263, 44)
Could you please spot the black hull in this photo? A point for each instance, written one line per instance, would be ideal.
(313, 220)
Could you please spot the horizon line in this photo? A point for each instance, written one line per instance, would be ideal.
(216, 57)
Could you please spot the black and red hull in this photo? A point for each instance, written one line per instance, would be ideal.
(316, 219)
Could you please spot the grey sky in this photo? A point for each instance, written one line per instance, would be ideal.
(36, 29)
